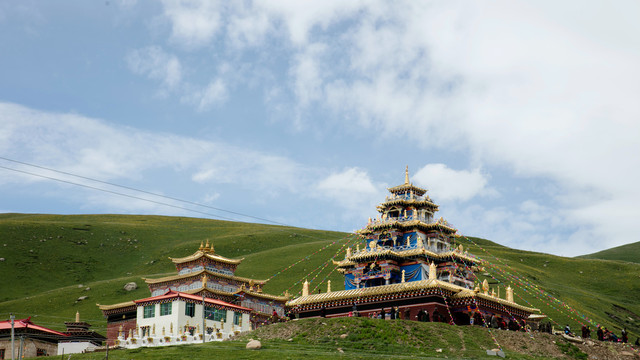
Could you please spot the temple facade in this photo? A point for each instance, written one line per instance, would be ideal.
(205, 284)
(407, 261)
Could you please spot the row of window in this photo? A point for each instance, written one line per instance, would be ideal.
(150, 310)
(190, 310)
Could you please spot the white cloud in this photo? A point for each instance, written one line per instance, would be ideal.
(214, 94)
(352, 189)
(96, 149)
(447, 184)
(156, 64)
(193, 23)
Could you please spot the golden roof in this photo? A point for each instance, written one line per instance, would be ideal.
(264, 295)
(470, 293)
(116, 306)
(373, 291)
(244, 290)
(388, 224)
(407, 185)
(213, 291)
(199, 272)
(381, 253)
(209, 255)
(412, 201)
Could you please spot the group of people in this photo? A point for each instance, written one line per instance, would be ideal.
(605, 334)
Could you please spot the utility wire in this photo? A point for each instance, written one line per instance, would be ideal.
(141, 191)
(116, 193)
(132, 189)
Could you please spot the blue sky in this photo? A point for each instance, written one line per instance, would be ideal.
(521, 118)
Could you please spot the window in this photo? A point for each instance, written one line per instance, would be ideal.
(149, 311)
(237, 318)
(215, 314)
(41, 352)
(1, 353)
(165, 309)
(190, 310)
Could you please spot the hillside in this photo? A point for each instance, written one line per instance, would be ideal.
(51, 260)
(363, 338)
(628, 252)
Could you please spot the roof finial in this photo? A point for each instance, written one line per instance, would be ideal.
(406, 175)
(77, 316)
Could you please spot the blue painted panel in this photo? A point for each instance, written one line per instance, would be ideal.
(348, 282)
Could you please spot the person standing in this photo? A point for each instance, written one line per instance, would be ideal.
(624, 335)
(600, 334)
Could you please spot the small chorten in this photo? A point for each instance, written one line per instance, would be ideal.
(305, 288)
(328, 286)
(509, 294)
(402, 276)
(77, 316)
(485, 287)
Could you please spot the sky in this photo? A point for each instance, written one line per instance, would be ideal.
(521, 118)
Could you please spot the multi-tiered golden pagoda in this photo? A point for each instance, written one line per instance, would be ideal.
(407, 261)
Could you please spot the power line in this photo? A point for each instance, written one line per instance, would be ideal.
(141, 191)
(132, 189)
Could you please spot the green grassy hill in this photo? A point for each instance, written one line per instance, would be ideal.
(51, 260)
(363, 338)
(629, 252)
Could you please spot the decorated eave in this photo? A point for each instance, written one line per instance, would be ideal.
(206, 289)
(401, 290)
(406, 187)
(396, 224)
(477, 296)
(170, 296)
(262, 295)
(117, 308)
(204, 254)
(417, 202)
(200, 272)
(363, 294)
(379, 254)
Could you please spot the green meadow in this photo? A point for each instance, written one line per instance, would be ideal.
(53, 260)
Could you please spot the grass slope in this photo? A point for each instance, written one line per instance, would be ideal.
(48, 257)
(628, 252)
(363, 338)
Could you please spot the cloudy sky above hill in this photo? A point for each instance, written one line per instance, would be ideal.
(521, 118)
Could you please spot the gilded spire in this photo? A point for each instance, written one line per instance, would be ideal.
(201, 246)
(77, 316)
(305, 288)
(406, 175)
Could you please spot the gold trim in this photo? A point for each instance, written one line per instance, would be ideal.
(116, 306)
(200, 253)
(372, 291)
(470, 293)
(199, 272)
(363, 255)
